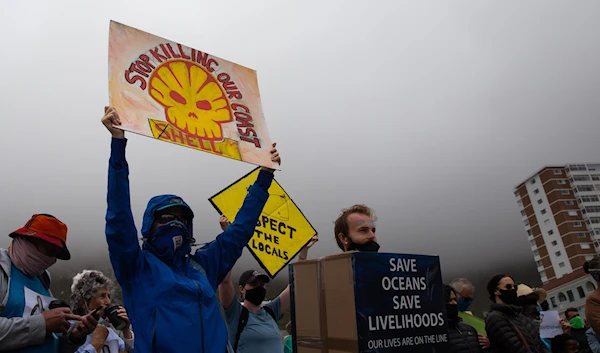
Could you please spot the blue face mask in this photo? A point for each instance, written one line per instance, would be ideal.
(464, 304)
(169, 242)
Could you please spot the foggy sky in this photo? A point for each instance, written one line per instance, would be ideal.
(429, 112)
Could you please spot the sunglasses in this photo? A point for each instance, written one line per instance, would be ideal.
(167, 217)
(510, 286)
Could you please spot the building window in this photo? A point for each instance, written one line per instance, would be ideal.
(553, 302)
(561, 265)
(550, 232)
(523, 214)
(540, 263)
(536, 253)
(520, 203)
(532, 181)
(536, 191)
(580, 235)
(557, 253)
(578, 167)
(585, 246)
(562, 298)
(557, 171)
(517, 194)
(589, 198)
(526, 222)
(533, 243)
(554, 243)
(576, 224)
(529, 232)
(590, 286)
(595, 220)
(571, 296)
(546, 221)
(581, 177)
(564, 192)
(580, 292)
(560, 182)
(543, 211)
(569, 202)
(592, 209)
(593, 167)
(583, 188)
(542, 273)
(596, 177)
(540, 201)
(572, 213)
(588, 257)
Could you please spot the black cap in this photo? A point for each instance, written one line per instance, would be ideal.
(251, 275)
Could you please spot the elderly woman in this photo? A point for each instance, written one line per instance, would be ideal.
(91, 290)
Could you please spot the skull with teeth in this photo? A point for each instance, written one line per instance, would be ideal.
(194, 102)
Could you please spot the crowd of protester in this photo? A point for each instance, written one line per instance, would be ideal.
(176, 300)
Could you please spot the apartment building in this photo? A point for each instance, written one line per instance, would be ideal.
(560, 210)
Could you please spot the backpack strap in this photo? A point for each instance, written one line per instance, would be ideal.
(244, 320)
(241, 324)
(270, 312)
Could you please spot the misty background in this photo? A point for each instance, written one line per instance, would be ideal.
(430, 112)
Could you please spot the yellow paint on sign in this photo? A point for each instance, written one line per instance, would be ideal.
(282, 230)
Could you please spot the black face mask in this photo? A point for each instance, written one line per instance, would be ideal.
(256, 295)
(509, 296)
(452, 311)
(366, 247)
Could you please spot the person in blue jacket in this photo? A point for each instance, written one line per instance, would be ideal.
(169, 292)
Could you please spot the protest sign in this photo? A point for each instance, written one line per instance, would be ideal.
(282, 230)
(550, 326)
(368, 302)
(171, 92)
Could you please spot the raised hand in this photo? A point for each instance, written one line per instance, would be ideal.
(274, 158)
(224, 222)
(110, 118)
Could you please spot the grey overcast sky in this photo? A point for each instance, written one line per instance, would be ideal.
(429, 112)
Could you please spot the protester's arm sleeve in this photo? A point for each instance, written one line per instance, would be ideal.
(592, 313)
(121, 234)
(17, 333)
(86, 348)
(593, 341)
(275, 305)
(220, 255)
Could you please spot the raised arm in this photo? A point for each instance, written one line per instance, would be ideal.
(121, 234)
(226, 288)
(221, 254)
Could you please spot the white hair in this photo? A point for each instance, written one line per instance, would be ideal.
(459, 284)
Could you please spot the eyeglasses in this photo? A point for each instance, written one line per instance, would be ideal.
(167, 217)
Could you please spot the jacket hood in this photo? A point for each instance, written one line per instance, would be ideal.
(161, 202)
(509, 309)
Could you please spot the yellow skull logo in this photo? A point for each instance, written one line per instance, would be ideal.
(193, 100)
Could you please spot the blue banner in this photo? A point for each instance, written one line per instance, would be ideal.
(400, 303)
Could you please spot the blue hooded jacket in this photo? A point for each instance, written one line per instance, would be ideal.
(173, 307)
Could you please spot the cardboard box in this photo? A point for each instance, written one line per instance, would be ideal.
(368, 302)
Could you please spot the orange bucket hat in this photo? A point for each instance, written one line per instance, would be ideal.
(49, 229)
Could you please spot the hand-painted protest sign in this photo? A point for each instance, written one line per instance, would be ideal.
(174, 93)
(282, 230)
(399, 303)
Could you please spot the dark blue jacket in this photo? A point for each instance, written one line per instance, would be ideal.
(173, 308)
